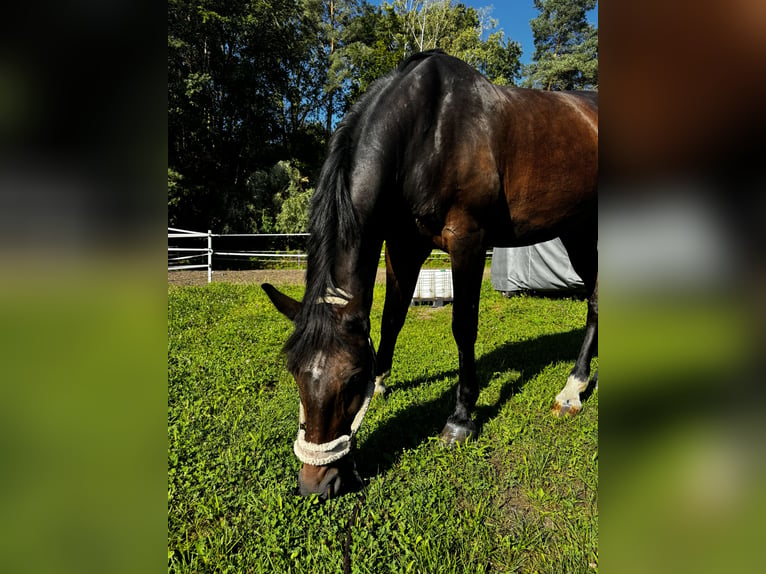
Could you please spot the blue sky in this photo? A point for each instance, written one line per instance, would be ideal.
(513, 18)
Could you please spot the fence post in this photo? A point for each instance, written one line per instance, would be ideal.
(209, 256)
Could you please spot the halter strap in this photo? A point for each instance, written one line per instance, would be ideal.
(335, 296)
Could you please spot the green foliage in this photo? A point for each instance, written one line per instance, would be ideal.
(566, 46)
(408, 26)
(242, 94)
(294, 215)
(333, 22)
(374, 51)
(498, 59)
(277, 200)
(175, 195)
(521, 497)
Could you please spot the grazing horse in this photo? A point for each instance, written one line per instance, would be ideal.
(432, 155)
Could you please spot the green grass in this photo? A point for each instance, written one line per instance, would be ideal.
(522, 497)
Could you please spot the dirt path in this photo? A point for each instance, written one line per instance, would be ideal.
(254, 277)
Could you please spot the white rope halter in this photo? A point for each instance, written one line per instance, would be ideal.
(328, 452)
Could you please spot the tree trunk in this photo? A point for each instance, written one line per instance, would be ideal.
(331, 92)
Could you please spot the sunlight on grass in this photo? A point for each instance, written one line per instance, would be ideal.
(521, 497)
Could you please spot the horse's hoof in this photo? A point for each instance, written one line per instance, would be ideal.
(380, 390)
(567, 407)
(456, 433)
(380, 387)
(568, 400)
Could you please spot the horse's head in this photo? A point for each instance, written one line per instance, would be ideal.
(332, 359)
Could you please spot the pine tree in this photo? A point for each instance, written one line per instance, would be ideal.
(566, 46)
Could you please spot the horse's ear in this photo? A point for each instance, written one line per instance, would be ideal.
(288, 306)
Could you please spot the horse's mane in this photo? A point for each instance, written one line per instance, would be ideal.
(333, 223)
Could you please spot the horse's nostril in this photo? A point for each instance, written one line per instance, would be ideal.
(329, 482)
(326, 482)
(333, 487)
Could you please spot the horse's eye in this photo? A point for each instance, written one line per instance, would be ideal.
(354, 380)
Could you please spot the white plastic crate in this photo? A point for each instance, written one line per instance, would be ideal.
(433, 286)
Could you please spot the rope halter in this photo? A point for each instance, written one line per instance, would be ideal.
(328, 452)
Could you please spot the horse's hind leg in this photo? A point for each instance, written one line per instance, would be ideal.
(583, 253)
(403, 262)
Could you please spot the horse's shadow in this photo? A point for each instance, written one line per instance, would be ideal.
(419, 421)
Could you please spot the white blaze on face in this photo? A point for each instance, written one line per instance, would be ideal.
(316, 367)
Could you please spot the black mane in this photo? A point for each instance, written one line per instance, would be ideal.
(333, 223)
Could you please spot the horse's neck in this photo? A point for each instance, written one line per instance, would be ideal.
(355, 269)
(355, 262)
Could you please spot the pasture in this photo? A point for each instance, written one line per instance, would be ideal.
(522, 497)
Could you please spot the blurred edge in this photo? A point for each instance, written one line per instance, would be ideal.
(681, 218)
(83, 136)
(83, 151)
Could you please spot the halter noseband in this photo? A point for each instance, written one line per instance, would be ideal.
(328, 452)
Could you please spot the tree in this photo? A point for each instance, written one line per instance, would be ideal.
(294, 215)
(425, 22)
(277, 200)
(330, 22)
(404, 27)
(254, 82)
(373, 48)
(241, 96)
(566, 46)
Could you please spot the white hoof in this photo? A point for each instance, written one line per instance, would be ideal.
(567, 407)
(380, 387)
(568, 400)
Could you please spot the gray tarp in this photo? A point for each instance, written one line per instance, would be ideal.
(540, 267)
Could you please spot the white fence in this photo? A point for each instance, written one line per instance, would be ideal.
(182, 262)
(201, 257)
(182, 258)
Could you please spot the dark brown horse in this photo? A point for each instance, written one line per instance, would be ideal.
(433, 155)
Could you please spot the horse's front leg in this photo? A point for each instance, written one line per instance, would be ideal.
(467, 256)
(403, 262)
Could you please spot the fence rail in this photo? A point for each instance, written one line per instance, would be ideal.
(207, 252)
(186, 255)
(198, 252)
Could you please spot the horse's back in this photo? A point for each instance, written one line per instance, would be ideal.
(548, 157)
(521, 164)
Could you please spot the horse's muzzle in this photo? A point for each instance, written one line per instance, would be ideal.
(329, 481)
